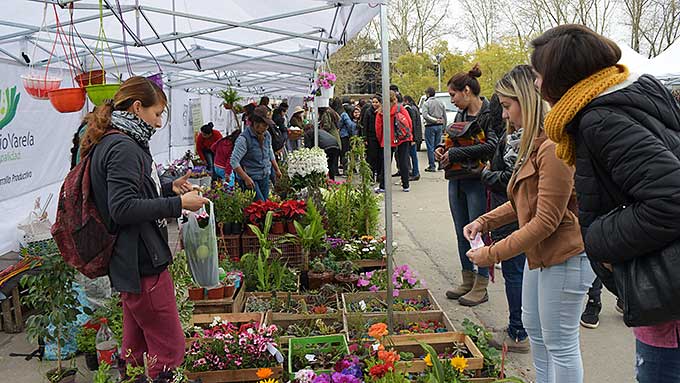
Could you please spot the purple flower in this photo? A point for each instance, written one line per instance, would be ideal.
(342, 378)
(324, 378)
(354, 371)
(363, 282)
(373, 288)
(395, 292)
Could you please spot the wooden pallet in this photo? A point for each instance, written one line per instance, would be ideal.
(225, 305)
(12, 317)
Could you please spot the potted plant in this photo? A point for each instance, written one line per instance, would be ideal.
(278, 226)
(85, 339)
(292, 211)
(230, 284)
(326, 84)
(346, 274)
(196, 293)
(318, 275)
(216, 292)
(52, 292)
(310, 236)
(230, 97)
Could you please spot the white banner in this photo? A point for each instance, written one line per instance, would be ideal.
(35, 143)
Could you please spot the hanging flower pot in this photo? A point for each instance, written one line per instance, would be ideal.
(322, 102)
(327, 92)
(101, 92)
(38, 86)
(157, 79)
(93, 77)
(67, 100)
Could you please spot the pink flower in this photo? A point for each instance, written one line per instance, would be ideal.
(363, 282)
(373, 288)
(395, 292)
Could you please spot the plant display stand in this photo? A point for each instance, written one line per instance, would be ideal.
(291, 252)
(440, 342)
(229, 245)
(370, 264)
(352, 302)
(274, 316)
(284, 324)
(228, 376)
(226, 305)
(202, 320)
(306, 346)
(357, 324)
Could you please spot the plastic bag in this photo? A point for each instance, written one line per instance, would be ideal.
(200, 245)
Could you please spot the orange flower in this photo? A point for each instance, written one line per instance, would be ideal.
(264, 373)
(378, 330)
(389, 357)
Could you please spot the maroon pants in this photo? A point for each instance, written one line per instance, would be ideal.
(151, 324)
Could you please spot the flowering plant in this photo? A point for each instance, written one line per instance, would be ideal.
(203, 219)
(257, 211)
(444, 369)
(326, 80)
(364, 247)
(307, 167)
(346, 370)
(226, 347)
(402, 278)
(293, 209)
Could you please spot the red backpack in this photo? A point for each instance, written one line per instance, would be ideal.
(79, 231)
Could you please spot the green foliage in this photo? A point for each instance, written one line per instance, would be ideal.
(113, 311)
(230, 96)
(86, 340)
(181, 277)
(413, 73)
(481, 337)
(51, 292)
(367, 210)
(312, 234)
(102, 374)
(496, 59)
(229, 204)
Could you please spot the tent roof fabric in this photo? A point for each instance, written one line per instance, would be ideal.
(258, 47)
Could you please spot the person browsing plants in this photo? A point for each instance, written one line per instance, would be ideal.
(131, 200)
(541, 199)
(253, 157)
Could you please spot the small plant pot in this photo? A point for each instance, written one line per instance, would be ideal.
(349, 280)
(278, 228)
(157, 79)
(236, 228)
(316, 280)
(67, 100)
(248, 230)
(196, 293)
(91, 361)
(216, 292)
(39, 87)
(229, 291)
(290, 227)
(101, 92)
(93, 77)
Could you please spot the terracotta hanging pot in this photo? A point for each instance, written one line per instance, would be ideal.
(67, 100)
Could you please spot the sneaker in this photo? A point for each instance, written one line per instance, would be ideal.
(514, 345)
(396, 174)
(406, 190)
(591, 315)
(430, 169)
(619, 306)
(379, 190)
(414, 178)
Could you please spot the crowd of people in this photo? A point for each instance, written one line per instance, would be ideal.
(577, 157)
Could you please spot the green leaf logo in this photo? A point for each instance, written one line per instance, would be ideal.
(9, 101)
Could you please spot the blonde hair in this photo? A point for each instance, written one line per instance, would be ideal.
(518, 84)
(393, 97)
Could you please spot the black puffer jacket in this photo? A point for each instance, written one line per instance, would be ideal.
(632, 137)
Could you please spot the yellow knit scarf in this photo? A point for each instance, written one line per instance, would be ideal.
(577, 97)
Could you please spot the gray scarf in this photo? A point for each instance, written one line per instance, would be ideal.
(133, 126)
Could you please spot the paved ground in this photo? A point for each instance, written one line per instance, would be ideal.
(424, 232)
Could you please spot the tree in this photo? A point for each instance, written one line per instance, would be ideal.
(496, 59)
(654, 24)
(413, 73)
(635, 10)
(349, 64)
(482, 20)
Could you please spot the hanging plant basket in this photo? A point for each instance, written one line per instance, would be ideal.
(101, 92)
(93, 77)
(38, 86)
(67, 100)
(327, 92)
(322, 102)
(157, 79)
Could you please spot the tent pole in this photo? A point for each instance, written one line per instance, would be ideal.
(169, 121)
(387, 156)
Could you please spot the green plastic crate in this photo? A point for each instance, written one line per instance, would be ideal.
(302, 345)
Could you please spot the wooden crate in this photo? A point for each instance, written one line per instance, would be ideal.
(439, 342)
(229, 245)
(202, 320)
(276, 316)
(348, 298)
(400, 317)
(284, 323)
(228, 376)
(225, 305)
(12, 317)
(370, 264)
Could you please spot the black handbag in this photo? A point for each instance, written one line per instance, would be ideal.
(649, 285)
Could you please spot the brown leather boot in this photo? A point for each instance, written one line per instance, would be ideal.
(463, 288)
(478, 293)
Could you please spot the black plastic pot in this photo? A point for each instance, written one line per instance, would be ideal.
(236, 228)
(91, 361)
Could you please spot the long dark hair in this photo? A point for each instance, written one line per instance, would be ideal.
(460, 80)
(131, 90)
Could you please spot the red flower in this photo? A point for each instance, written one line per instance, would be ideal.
(379, 370)
(255, 212)
(292, 209)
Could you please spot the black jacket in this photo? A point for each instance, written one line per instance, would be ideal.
(326, 140)
(368, 123)
(497, 176)
(414, 113)
(127, 198)
(629, 141)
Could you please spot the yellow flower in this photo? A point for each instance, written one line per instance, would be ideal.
(264, 373)
(428, 360)
(269, 381)
(459, 363)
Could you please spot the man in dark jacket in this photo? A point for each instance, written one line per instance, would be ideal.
(496, 178)
(329, 144)
(414, 113)
(373, 151)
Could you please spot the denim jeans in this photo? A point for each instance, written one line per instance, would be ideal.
(513, 269)
(656, 364)
(261, 188)
(467, 201)
(221, 174)
(552, 301)
(595, 291)
(413, 152)
(433, 137)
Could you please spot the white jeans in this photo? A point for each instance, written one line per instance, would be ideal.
(552, 301)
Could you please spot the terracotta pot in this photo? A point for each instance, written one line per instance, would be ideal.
(278, 228)
(91, 361)
(227, 105)
(316, 280)
(92, 77)
(290, 226)
(248, 231)
(347, 280)
(196, 293)
(216, 292)
(67, 100)
(229, 291)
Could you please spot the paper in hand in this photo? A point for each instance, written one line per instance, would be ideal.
(477, 242)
